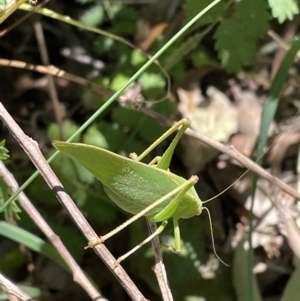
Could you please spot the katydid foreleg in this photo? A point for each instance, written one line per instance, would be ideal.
(167, 156)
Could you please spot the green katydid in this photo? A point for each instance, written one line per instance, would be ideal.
(140, 189)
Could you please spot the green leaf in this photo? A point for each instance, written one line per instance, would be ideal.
(200, 59)
(147, 127)
(152, 84)
(93, 16)
(118, 81)
(284, 9)
(95, 137)
(137, 57)
(12, 209)
(291, 292)
(236, 37)
(31, 241)
(182, 50)
(68, 130)
(3, 151)
(110, 136)
(240, 276)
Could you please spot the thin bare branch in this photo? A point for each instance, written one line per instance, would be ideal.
(159, 267)
(12, 289)
(52, 70)
(38, 29)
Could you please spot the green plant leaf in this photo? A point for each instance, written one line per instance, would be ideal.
(284, 9)
(5, 192)
(110, 136)
(182, 50)
(31, 241)
(240, 276)
(3, 151)
(68, 130)
(93, 16)
(291, 292)
(152, 84)
(118, 80)
(236, 37)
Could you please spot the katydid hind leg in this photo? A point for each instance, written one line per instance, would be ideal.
(145, 241)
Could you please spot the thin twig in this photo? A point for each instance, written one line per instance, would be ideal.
(12, 289)
(282, 44)
(78, 274)
(52, 70)
(32, 150)
(159, 267)
(38, 29)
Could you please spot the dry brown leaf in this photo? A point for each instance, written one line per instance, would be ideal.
(215, 117)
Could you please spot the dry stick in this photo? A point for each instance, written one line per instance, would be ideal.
(12, 289)
(78, 274)
(31, 149)
(228, 150)
(281, 42)
(52, 70)
(159, 267)
(38, 29)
